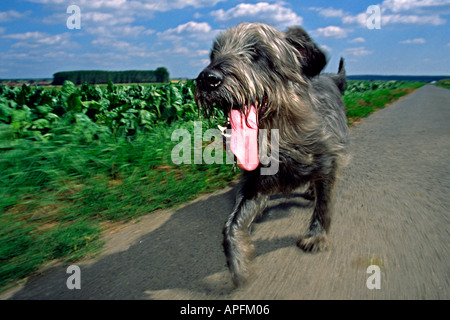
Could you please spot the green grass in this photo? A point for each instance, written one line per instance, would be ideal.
(362, 104)
(444, 83)
(58, 195)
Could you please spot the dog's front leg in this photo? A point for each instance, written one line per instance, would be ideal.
(237, 244)
(316, 238)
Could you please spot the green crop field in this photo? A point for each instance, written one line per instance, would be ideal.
(74, 159)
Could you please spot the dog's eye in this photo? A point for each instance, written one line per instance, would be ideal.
(254, 54)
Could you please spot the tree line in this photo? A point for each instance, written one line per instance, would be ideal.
(161, 75)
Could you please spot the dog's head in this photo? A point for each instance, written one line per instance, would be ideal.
(252, 62)
(253, 71)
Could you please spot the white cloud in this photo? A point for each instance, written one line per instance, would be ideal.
(325, 48)
(25, 36)
(37, 38)
(42, 40)
(275, 14)
(361, 19)
(328, 12)
(190, 40)
(404, 12)
(37, 46)
(119, 29)
(9, 15)
(111, 60)
(116, 12)
(118, 45)
(405, 5)
(102, 18)
(135, 6)
(330, 32)
(191, 29)
(121, 48)
(358, 40)
(115, 32)
(202, 53)
(59, 54)
(414, 41)
(179, 4)
(412, 19)
(356, 52)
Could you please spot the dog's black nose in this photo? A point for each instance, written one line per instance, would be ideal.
(209, 79)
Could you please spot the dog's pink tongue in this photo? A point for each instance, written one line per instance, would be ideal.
(244, 139)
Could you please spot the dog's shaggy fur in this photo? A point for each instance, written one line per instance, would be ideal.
(279, 73)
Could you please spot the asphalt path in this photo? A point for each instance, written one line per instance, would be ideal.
(390, 230)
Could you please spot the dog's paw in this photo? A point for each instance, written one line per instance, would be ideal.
(241, 278)
(239, 251)
(240, 269)
(314, 243)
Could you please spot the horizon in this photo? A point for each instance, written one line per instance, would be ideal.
(389, 37)
(186, 78)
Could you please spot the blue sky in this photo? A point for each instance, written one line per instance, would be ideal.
(413, 38)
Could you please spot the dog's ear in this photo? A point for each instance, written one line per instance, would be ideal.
(314, 60)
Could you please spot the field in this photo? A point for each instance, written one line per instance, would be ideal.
(361, 98)
(444, 83)
(74, 160)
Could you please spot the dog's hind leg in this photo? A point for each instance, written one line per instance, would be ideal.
(237, 245)
(316, 238)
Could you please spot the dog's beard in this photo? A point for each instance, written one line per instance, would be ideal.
(242, 113)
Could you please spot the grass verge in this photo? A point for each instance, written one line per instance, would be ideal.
(444, 83)
(362, 104)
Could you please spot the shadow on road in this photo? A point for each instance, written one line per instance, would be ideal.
(184, 254)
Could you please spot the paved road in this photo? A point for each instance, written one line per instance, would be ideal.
(392, 211)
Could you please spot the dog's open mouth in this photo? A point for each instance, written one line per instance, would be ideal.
(244, 137)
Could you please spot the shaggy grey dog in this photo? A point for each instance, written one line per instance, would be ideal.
(268, 80)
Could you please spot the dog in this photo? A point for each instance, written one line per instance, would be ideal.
(270, 80)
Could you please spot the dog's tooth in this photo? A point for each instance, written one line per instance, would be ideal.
(223, 131)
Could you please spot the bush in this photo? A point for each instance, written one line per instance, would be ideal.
(160, 75)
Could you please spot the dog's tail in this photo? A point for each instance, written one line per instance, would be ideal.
(341, 67)
(340, 79)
